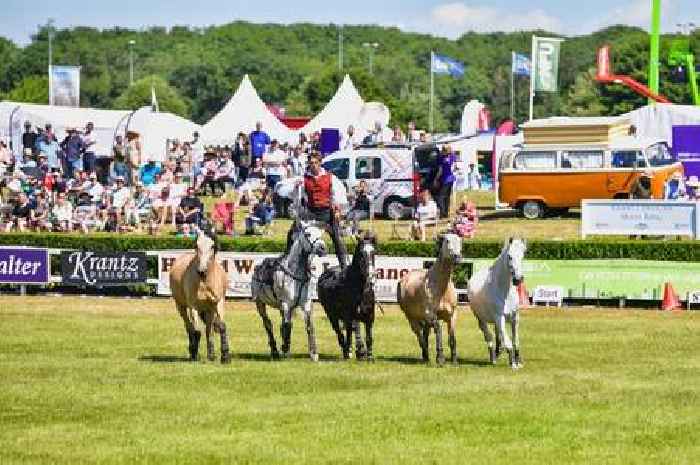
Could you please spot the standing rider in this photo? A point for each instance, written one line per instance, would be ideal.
(321, 190)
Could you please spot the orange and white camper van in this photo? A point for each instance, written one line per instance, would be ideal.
(537, 178)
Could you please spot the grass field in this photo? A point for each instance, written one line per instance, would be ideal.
(88, 380)
(493, 225)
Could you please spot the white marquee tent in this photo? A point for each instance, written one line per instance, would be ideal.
(658, 120)
(13, 115)
(342, 110)
(156, 128)
(240, 114)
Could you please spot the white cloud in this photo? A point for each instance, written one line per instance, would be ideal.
(634, 13)
(453, 19)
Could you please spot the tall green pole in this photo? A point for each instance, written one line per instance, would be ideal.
(654, 47)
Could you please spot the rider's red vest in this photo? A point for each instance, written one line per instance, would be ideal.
(318, 190)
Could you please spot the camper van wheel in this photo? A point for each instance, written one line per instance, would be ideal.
(394, 208)
(532, 210)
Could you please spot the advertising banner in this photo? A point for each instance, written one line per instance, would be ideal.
(23, 265)
(686, 148)
(546, 69)
(64, 86)
(83, 268)
(632, 279)
(239, 267)
(653, 217)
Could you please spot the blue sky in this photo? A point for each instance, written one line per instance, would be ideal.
(19, 18)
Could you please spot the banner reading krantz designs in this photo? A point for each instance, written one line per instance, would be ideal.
(23, 265)
(239, 268)
(104, 269)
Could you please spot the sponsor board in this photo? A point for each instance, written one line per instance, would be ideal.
(85, 268)
(239, 268)
(548, 295)
(24, 265)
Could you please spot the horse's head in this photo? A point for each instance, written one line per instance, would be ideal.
(311, 237)
(206, 249)
(450, 247)
(366, 246)
(515, 253)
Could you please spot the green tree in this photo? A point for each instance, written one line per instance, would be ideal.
(32, 89)
(139, 95)
(584, 97)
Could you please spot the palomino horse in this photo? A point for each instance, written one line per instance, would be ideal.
(428, 296)
(493, 297)
(348, 296)
(198, 283)
(283, 283)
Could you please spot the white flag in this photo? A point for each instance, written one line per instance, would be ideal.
(154, 100)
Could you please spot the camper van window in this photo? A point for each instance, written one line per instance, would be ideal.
(340, 167)
(582, 159)
(532, 160)
(368, 168)
(659, 155)
(506, 160)
(625, 158)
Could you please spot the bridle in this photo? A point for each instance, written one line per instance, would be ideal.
(307, 265)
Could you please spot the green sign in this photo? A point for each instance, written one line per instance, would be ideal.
(632, 279)
(546, 65)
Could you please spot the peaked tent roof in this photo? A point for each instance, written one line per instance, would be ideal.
(243, 110)
(342, 110)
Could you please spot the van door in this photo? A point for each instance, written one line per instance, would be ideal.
(622, 171)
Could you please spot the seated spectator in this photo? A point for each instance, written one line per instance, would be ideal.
(225, 174)
(40, 214)
(148, 172)
(85, 215)
(426, 210)
(177, 191)
(15, 184)
(466, 220)
(190, 209)
(257, 171)
(208, 174)
(21, 214)
(120, 197)
(6, 160)
(360, 208)
(63, 213)
(94, 188)
(262, 213)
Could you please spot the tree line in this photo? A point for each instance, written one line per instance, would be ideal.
(196, 70)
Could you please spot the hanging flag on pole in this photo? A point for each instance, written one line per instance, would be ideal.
(154, 100)
(521, 65)
(442, 64)
(545, 66)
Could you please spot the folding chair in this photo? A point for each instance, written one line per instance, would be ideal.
(224, 213)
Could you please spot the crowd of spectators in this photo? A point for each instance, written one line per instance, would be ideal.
(64, 185)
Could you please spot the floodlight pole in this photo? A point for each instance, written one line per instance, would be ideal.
(340, 47)
(372, 47)
(49, 26)
(131, 61)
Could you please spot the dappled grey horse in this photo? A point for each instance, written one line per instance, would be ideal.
(284, 282)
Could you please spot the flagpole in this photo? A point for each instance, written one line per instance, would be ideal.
(533, 71)
(512, 86)
(432, 92)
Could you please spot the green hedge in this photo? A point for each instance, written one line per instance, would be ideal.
(682, 251)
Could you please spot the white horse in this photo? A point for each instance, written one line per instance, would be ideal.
(493, 298)
(283, 283)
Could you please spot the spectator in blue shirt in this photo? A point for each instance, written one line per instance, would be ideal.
(148, 172)
(46, 144)
(73, 148)
(259, 140)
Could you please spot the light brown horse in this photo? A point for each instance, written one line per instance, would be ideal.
(428, 296)
(198, 283)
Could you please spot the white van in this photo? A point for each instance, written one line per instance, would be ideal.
(388, 172)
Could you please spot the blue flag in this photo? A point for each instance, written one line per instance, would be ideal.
(445, 65)
(521, 65)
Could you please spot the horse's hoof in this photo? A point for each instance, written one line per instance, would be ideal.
(275, 355)
(454, 361)
(346, 355)
(314, 357)
(370, 359)
(226, 358)
(286, 354)
(440, 360)
(211, 357)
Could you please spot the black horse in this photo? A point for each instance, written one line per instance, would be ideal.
(348, 296)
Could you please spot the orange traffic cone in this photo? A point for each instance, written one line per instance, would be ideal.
(523, 297)
(671, 300)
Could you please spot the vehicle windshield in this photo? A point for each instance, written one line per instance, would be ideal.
(658, 155)
(340, 167)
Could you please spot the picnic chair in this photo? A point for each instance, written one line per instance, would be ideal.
(224, 213)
